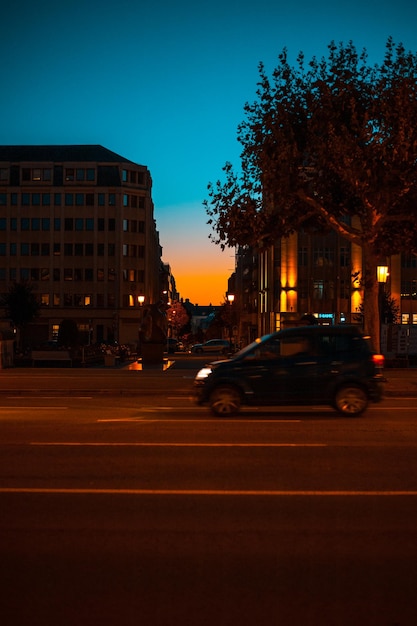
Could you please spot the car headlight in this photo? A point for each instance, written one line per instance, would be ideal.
(203, 373)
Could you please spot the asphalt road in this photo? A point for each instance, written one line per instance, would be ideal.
(145, 510)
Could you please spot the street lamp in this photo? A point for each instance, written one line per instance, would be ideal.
(141, 300)
(230, 299)
(382, 274)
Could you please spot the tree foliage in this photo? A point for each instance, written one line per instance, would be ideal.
(178, 318)
(331, 144)
(21, 305)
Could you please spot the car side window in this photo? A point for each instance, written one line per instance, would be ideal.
(297, 346)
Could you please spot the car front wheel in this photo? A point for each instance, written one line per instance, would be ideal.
(225, 401)
(351, 400)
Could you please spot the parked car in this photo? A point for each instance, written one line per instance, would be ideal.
(309, 365)
(213, 346)
(174, 345)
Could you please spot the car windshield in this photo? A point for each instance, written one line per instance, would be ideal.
(251, 347)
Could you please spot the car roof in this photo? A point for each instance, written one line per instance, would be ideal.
(337, 329)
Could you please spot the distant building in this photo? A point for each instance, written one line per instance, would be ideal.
(77, 222)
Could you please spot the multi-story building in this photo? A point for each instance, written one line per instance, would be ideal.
(77, 223)
(318, 273)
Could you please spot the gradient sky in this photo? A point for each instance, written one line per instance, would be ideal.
(163, 83)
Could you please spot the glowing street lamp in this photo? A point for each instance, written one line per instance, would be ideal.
(382, 273)
(141, 300)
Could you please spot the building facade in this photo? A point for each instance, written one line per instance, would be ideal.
(318, 273)
(77, 224)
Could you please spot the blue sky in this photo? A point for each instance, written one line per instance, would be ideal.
(164, 84)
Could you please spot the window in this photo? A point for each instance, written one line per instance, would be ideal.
(46, 199)
(111, 249)
(68, 224)
(100, 274)
(24, 249)
(57, 223)
(100, 249)
(25, 199)
(36, 224)
(46, 223)
(2, 249)
(69, 174)
(89, 249)
(78, 249)
(68, 249)
(3, 223)
(101, 199)
(100, 224)
(111, 276)
(323, 257)
(4, 174)
(112, 199)
(3, 199)
(302, 256)
(78, 274)
(79, 199)
(57, 249)
(89, 223)
(25, 223)
(344, 257)
(45, 273)
(35, 250)
(45, 249)
(68, 274)
(69, 199)
(79, 223)
(57, 199)
(36, 199)
(89, 274)
(45, 299)
(13, 223)
(112, 224)
(13, 249)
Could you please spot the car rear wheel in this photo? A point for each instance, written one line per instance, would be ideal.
(351, 400)
(225, 401)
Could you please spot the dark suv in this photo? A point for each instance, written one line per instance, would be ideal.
(307, 365)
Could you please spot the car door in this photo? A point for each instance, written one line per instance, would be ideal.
(282, 371)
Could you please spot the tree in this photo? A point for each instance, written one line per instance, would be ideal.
(21, 305)
(178, 318)
(333, 145)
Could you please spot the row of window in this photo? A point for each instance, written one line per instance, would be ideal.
(70, 249)
(99, 300)
(69, 224)
(324, 257)
(39, 274)
(71, 174)
(70, 199)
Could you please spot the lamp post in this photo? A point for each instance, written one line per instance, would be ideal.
(141, 300)
(230, 299)
(382, 274)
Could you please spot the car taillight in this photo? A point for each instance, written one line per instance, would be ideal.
(378, 360)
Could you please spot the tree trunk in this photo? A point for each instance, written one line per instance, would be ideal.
(371, 298)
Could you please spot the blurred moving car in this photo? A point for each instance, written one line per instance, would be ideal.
(213, 346)
(309, 365)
